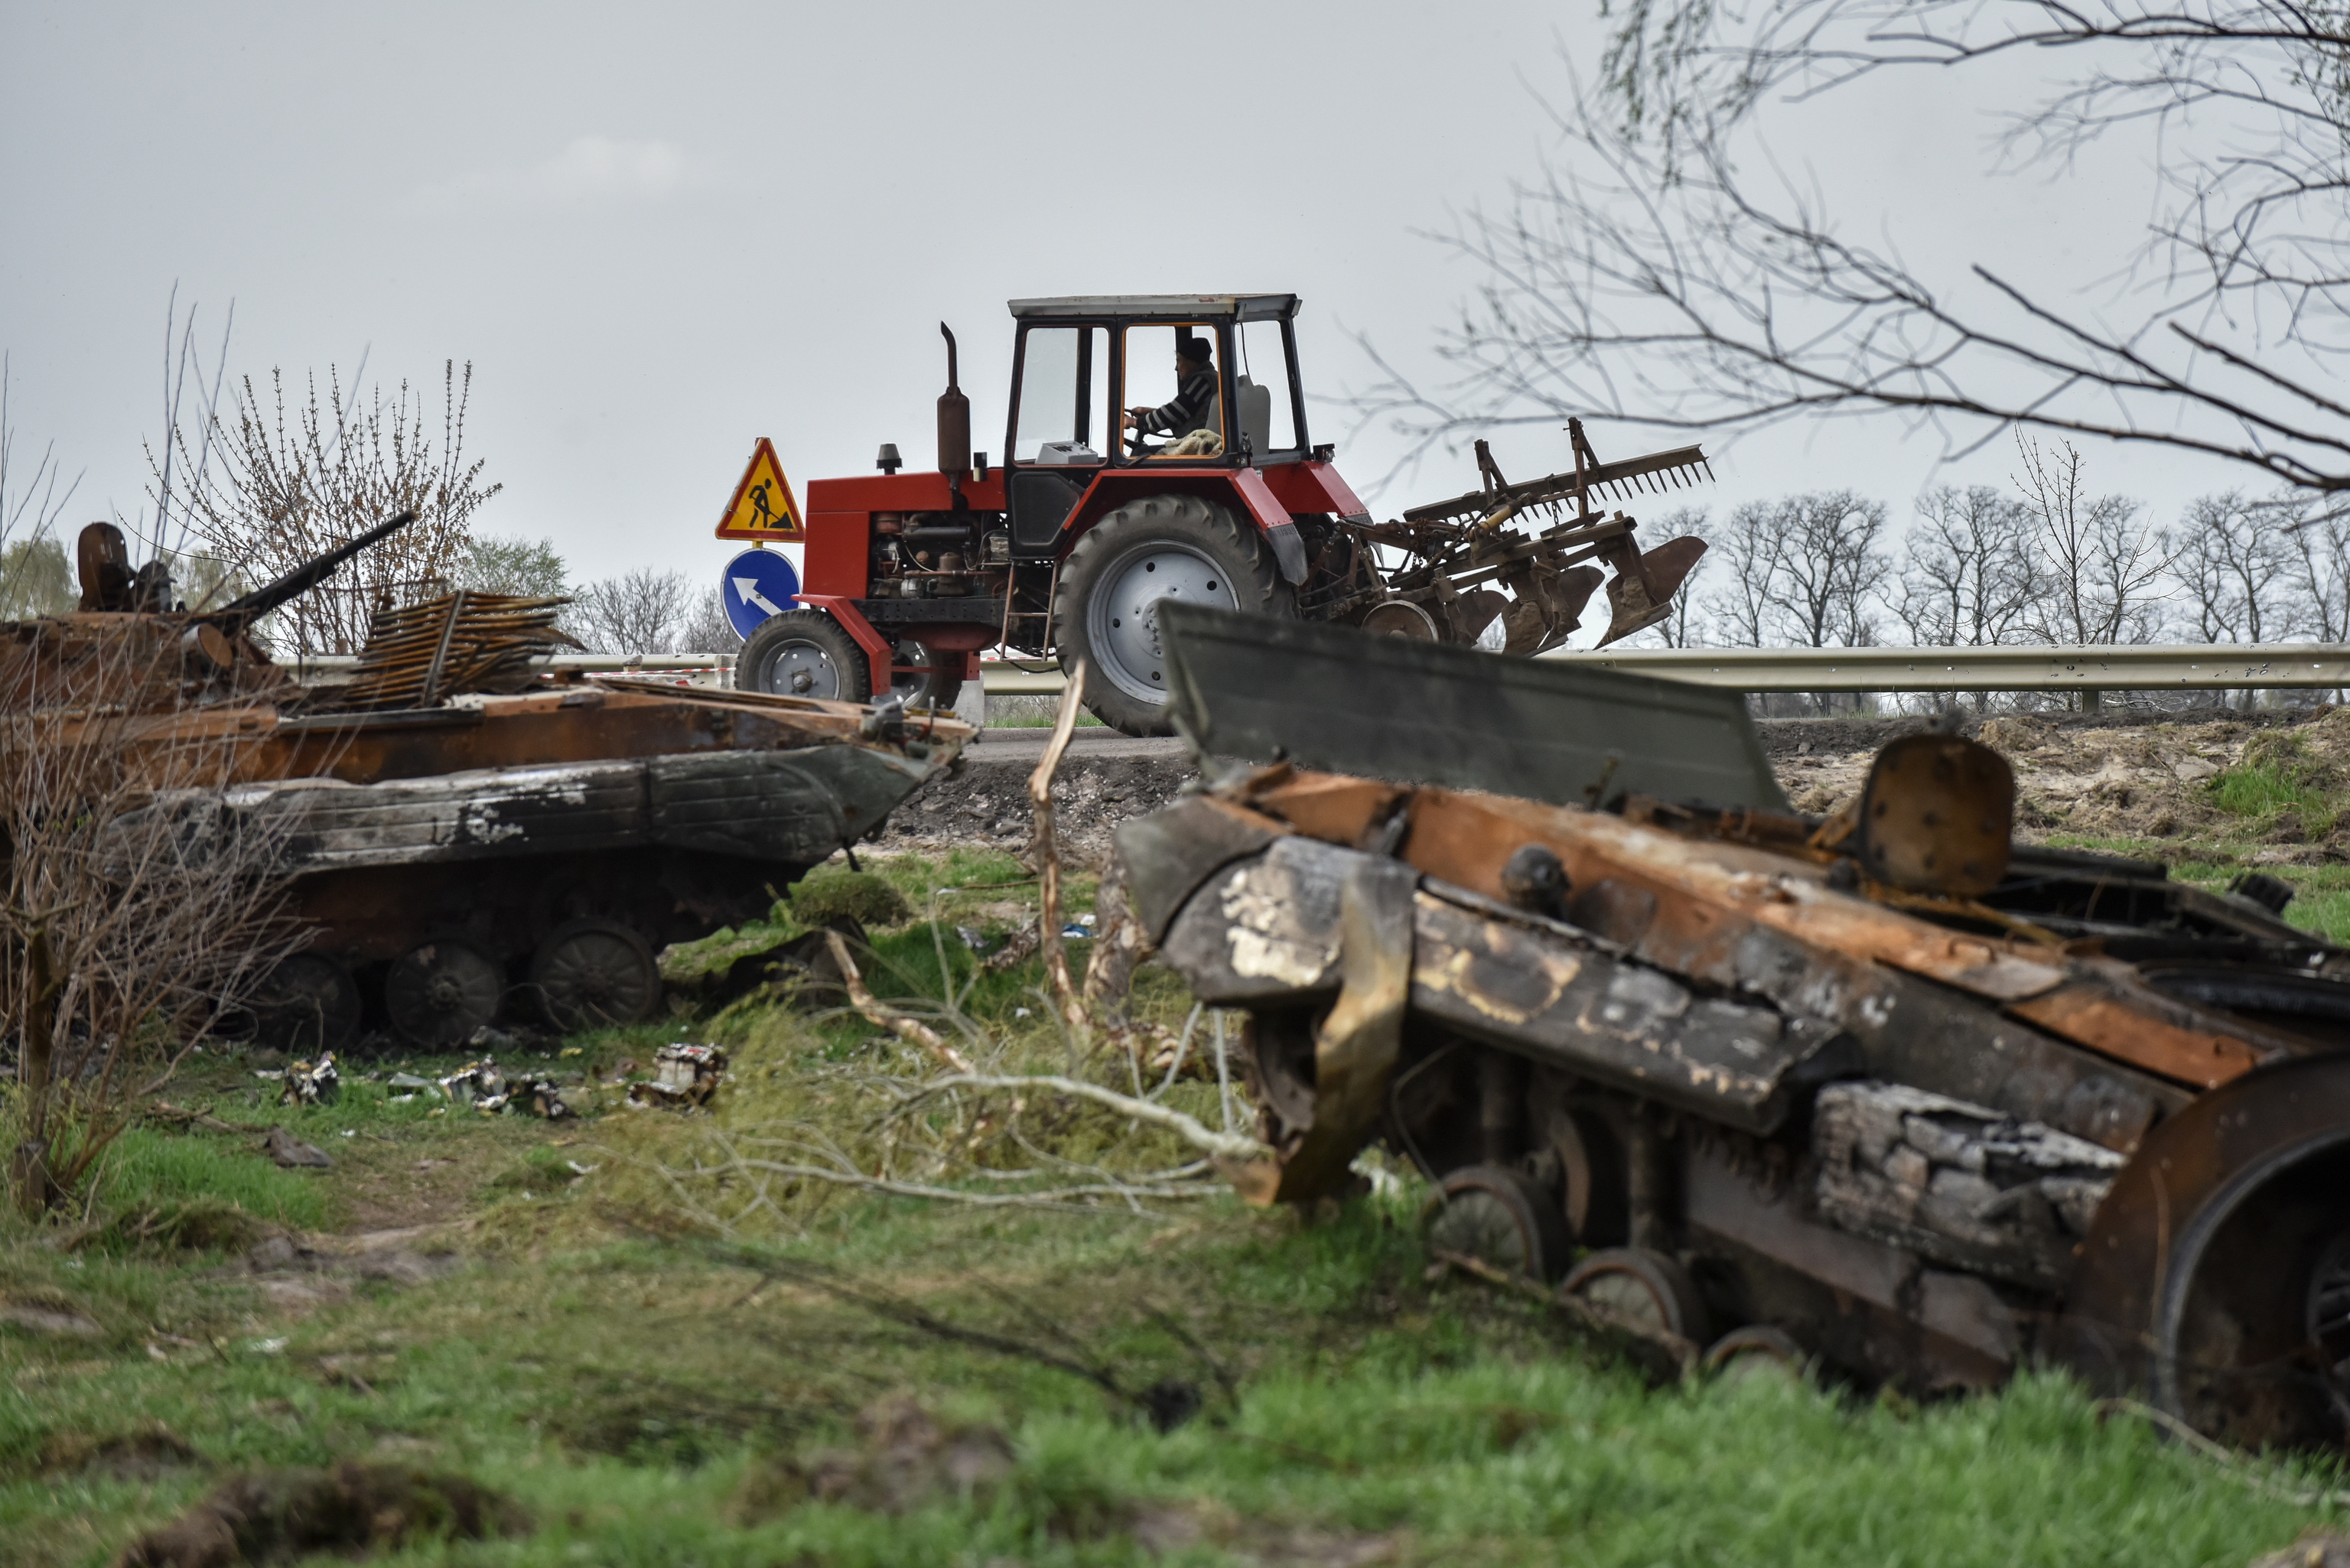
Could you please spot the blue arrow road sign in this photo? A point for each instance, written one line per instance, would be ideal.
(756, 585)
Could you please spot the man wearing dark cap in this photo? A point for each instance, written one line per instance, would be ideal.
(1194, 407)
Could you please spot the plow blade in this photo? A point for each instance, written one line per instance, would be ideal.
(1642, 593)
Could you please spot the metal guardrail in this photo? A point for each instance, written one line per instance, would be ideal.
(703, 668)
(2143, 667)
(2126, 668)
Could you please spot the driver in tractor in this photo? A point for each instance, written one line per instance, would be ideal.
(1194, 405)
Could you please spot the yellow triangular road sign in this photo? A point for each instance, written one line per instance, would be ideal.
(762, 507)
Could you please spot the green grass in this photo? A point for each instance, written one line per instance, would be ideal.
(147, 1169)
(622, 1392)
(622, 1372)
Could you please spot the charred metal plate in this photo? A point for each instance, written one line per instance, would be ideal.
(1937, 815)
(1329, 697)
(1540, 991)
(1268, 930)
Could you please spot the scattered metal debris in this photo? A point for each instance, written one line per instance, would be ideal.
(1924, 1103)
(684, 1077)
(312, 1083)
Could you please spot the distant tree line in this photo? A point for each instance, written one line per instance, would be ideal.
(2046, 559)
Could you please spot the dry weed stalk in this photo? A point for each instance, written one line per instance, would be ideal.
(289, 495)
(136, 914)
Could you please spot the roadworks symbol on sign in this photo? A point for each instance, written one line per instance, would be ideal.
(762, 507)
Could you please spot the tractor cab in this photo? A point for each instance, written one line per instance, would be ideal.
(1084, 365)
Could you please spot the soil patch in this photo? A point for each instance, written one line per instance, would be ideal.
(277, 1516)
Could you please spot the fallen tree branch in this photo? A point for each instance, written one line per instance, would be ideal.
(1221, 1145)
(898, 1024)
(2226, 1457)
(1055, 1198)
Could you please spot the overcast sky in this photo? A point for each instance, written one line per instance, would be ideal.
(660, 233)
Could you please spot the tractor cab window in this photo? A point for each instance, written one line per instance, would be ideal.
(1169, 411)
(1266, 411)
(1064, 419)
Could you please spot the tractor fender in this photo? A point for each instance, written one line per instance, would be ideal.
(852, 621)
(1243, 489)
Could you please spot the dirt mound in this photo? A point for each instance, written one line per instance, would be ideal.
(277, 1516)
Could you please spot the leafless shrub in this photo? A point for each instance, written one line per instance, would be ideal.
(284, 495)
(134, 917)
(706, 628)
(638, 612)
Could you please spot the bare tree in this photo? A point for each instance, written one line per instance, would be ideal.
(1651, 281)
(2103, 566)
(1972, 576)
(1752, 549)
(637, 612)
(2236, 571)
(284, 495)
(706, 628)
(2319, 566)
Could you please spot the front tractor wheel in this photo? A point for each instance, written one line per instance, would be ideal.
(806, 653)
(803, 653)
(1107, 609)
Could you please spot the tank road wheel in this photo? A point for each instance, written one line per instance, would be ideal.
(1757, 1350)
(803, 653)
(940, 687)
(439, 993)
(310, 1002)
(1500, 1219)
(594, 974)
(1640, 1288)
(1105, 611)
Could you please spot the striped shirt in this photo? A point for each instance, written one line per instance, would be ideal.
(1194, 407)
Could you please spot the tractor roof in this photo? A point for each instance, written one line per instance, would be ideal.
(1159, 308)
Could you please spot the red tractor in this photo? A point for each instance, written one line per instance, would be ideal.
(1157, 449)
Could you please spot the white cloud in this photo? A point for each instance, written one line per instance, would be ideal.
(593, 171)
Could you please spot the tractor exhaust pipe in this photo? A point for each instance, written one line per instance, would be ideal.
(954, 418)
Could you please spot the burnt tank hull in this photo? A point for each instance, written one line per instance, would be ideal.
(525, 857)
(520, 853)
(1698, 1068)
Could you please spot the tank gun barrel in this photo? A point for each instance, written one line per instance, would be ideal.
(308, 575)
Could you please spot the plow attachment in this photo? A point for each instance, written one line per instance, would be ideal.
(1462, 552)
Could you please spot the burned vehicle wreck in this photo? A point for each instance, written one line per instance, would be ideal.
(1886, 1090)
(465, 833)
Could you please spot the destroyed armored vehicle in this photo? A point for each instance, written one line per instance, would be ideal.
(467, 832)
(1884, 1091)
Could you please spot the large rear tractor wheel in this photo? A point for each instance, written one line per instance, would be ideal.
(1107, 609)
